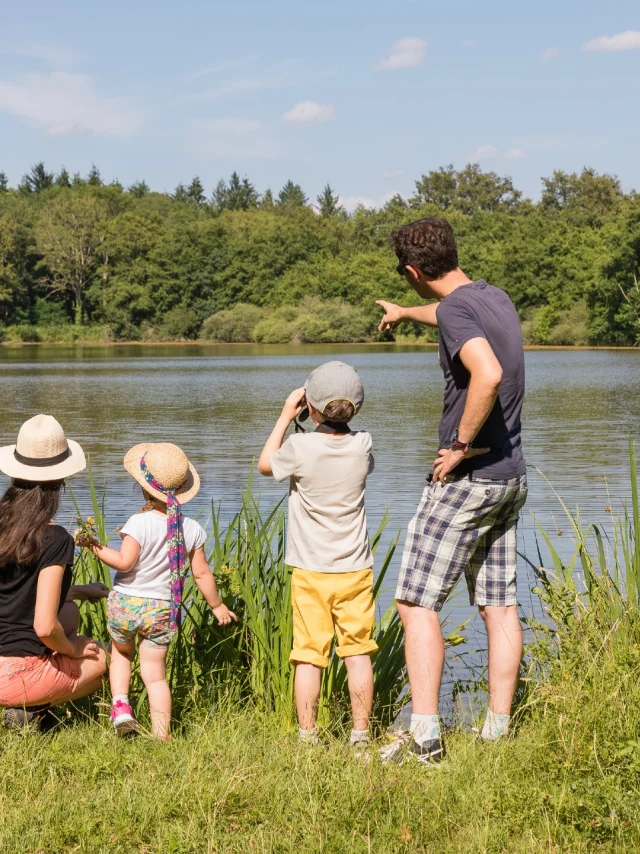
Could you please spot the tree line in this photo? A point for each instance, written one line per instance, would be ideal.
(80, 259)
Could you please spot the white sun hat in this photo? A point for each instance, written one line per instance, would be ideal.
(42, 452)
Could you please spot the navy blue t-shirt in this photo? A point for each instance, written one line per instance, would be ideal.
(471, 311)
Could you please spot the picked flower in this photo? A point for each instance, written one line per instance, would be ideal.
(86, 531)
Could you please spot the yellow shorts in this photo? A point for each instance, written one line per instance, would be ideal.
(328, 603)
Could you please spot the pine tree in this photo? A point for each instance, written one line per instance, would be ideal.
(329, 203)
(4, 183)
(78, 180)
(38, 179)
(63, 179)
(266, 202)
(292, 196)
(250, 196)
(180, 194)
(116, 185)
(195, 192)
(139, 189)
(219, 196)
(93, 178)
(239, 195)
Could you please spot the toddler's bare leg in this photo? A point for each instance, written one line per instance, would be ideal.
(120, 667)
(307, 685)
(360, 678)
(153, 670)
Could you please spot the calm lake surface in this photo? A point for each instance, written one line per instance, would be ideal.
(219, 403)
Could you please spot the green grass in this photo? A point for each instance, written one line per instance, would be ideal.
(235, 780)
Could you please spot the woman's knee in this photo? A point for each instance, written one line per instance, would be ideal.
(69, 617)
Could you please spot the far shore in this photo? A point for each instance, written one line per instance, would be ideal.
(98, 345)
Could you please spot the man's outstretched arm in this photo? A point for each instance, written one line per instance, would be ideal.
(394, 314)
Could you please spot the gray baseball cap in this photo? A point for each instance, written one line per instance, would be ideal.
(334, 381)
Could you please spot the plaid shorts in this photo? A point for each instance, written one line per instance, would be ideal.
(466, 526)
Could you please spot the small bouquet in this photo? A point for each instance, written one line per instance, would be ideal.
(86, 532)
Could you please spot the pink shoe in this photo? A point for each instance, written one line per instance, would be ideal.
(122, 718)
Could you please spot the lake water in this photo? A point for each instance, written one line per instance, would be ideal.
(219, 403)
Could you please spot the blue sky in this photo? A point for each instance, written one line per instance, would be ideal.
(365, 95)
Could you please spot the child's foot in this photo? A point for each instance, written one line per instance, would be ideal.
(122, 718)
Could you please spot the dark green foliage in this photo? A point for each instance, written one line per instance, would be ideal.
(121, 261)
(329, 203)
(4, 183)
(63, 179)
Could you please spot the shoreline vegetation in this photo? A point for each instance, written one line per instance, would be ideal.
(235, 780)
(82, 260)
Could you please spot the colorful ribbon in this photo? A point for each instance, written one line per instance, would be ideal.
(175, 545)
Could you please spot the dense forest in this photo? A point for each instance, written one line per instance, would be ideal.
(81, 260)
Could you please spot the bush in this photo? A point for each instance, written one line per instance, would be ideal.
(178, 324)
(315, 321)
(234, 325)
(571, 329)
(277, 327)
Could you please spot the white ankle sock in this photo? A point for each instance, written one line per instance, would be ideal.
(120, 698)
(308, 736)
(424, 727)
(360, 736)
(495, 726)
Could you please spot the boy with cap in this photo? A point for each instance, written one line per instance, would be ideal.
(327, 540)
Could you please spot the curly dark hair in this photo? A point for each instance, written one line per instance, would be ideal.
(429, 245)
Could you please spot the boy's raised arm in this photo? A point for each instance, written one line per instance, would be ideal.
(292, 408)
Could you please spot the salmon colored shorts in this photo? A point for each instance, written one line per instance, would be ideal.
(37, 679)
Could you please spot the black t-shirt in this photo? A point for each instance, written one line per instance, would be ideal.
(18, 587)
(471, 311)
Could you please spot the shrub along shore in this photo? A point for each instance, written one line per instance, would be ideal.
(234, 779)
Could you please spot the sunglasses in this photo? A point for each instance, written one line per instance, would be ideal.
(401, 270)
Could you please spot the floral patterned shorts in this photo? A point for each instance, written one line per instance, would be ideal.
(131, 616)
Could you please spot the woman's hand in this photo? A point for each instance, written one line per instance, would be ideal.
(223, 615)
(84, 648)
(93, 592)
(294, 404)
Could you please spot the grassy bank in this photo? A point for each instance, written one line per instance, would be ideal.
(235, 780)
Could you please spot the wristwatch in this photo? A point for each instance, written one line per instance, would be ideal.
(457, 445)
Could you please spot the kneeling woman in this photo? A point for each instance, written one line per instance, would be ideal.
(42, 659)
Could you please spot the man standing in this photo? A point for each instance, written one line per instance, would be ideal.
(467, 517)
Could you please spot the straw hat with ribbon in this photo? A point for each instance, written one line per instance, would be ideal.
(42, 452)
(164, 471)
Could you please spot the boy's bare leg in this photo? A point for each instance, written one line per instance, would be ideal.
(307, 687)
(360, 678)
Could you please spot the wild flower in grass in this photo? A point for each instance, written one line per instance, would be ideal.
(86, 532)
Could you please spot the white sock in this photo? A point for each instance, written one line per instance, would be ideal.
(309, 736)
(495, 726)
(424, 728)
(360, 736)
(120, 698)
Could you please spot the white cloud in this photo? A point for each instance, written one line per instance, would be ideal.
(309, 113)
(64, 104)
(350, 203)
(406, 53)
(549, 53)
(235, 87)
(234, 125)
(515, 153)
(225, 65)
(233, 138)
(483, 152)
(33, 50)
(629, 40)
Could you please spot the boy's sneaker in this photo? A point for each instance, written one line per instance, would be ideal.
(404, 748)
(122, 718)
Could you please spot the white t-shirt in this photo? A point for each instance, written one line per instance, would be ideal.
(151, 576)
(327, 527)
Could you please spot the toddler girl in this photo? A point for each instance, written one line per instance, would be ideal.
(150, 569)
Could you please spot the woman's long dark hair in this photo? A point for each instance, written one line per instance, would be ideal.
(26, 509)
